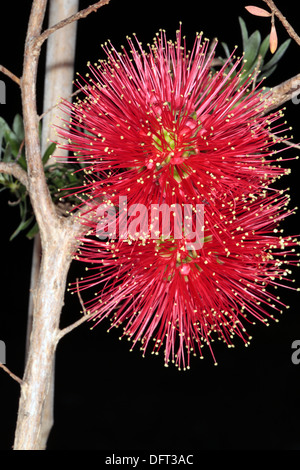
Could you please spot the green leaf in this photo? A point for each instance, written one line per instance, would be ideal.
(14, 142)
(264, 47)
(252, 49)
(18, 127)
(23, 210)
(244, 32)
(33, 231)
(48, 153)
(226, 49)
(4, 127)
(277, 56)
(270, 71)
(7, 155)
(22, 162)
(22, 226)
(72, 178)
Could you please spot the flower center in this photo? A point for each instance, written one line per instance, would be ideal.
(171, 152)
(177, 256)
(174, 147)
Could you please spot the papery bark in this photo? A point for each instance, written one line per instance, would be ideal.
(57, 239)
(59, 74)
(48, 299)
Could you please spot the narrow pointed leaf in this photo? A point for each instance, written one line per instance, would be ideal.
(22, 226)
(23, 210)
(278, 55)
(18, 127)
(48, 153)
(264, 47)
(269, 72)
(257, 11)
(252, 49)
(4, 127)
(7, 155)
(22, 162)
(14, 142)
(244, 32)
(273, 39)
(226, 49)
(33, 231)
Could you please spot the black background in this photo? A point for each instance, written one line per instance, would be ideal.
(107, 398)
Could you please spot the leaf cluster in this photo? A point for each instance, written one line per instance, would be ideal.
(255, 53)
(59, 177)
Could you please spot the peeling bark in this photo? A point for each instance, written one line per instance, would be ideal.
(58, 243)
(48, 299)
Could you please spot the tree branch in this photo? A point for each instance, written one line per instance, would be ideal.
(41, 201)
(78, 322)
(9, 74)
(77, 16)
(15, 170)
(290, 30)
(283, 92)
(285, 142)
(69, 328)
(13, 376)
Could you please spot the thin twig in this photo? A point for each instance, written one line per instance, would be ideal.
(57, 104)
(20, 149)
(80, 298)
(86, 315)
(14, 169)
(290, 144)
(285, 142)
(11, 374)
(9, 74)
(77, 16)
(74, 325)
(290, 30)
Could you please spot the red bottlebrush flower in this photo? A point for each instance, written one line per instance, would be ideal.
(184, 299)
(159, 127)
(161, 123)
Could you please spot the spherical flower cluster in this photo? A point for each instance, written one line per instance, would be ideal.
(160, 130)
